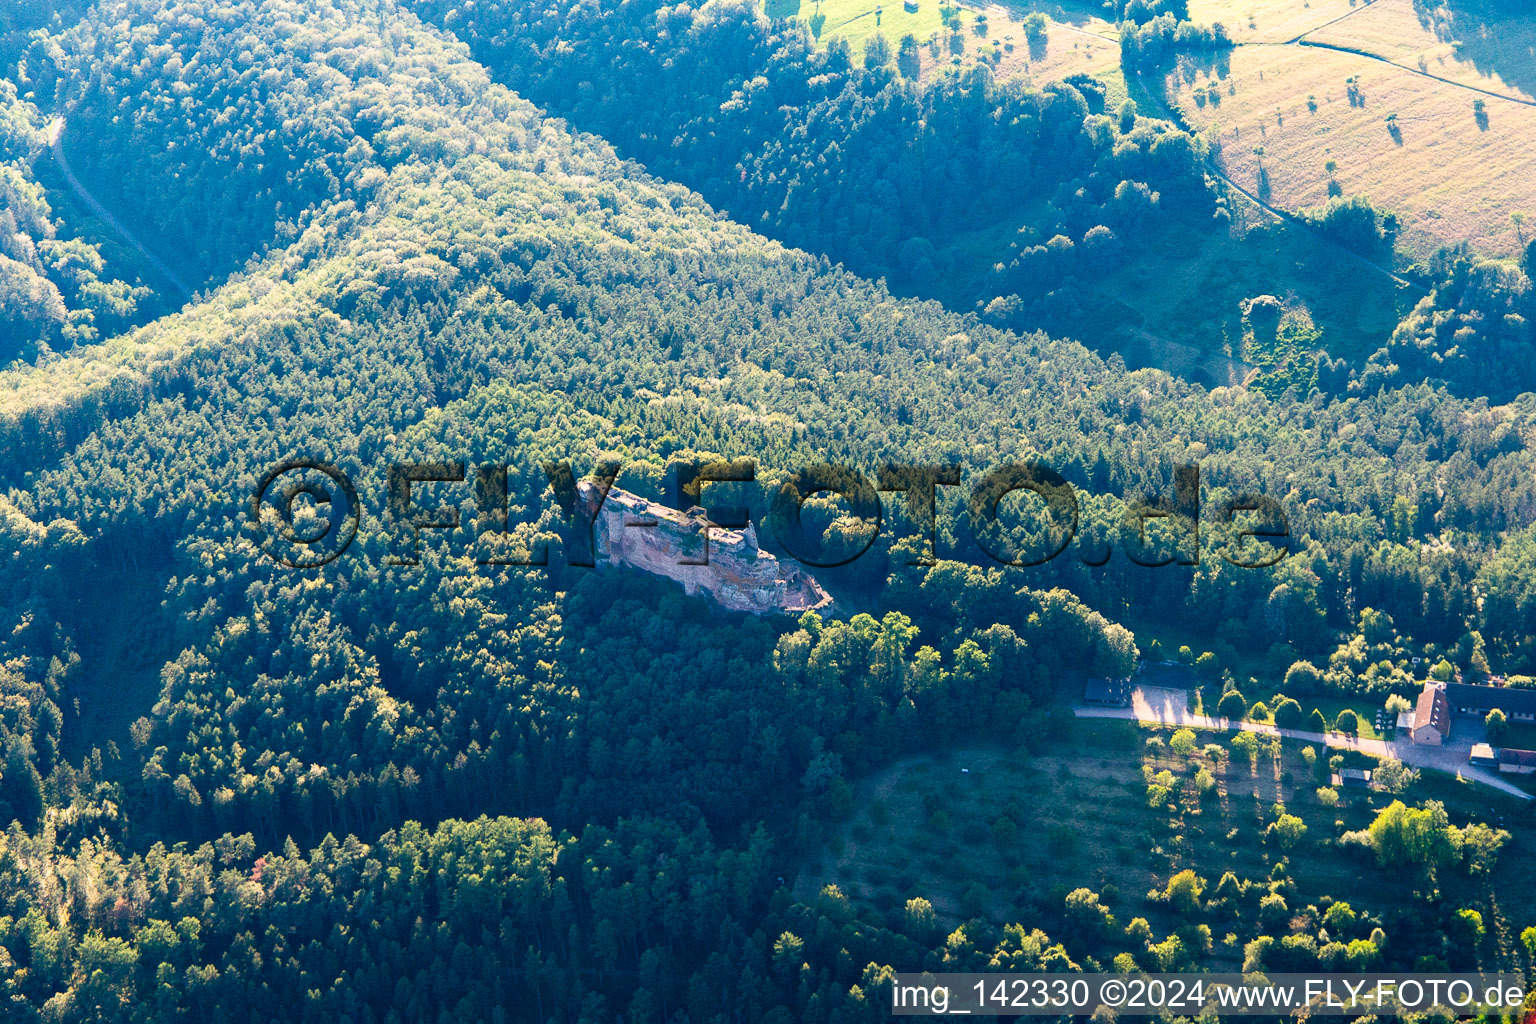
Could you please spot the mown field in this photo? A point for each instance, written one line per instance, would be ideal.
(929, 826)
(1269, 21)
(1298, 123)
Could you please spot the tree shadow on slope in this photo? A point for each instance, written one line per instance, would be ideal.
(1497, 37)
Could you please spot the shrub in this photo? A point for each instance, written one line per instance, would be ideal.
(1354, 222)
(1205, 782)
(1288, 714)
(1304, 678)
(1184, 891)
(1232, 706)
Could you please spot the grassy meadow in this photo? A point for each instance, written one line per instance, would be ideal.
(1296, 124)
(1076, 40)
(1269, 21)
(1443, 40)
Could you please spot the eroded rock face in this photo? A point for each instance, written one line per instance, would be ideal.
(726, 565)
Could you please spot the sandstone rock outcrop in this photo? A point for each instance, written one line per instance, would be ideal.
(724, 564)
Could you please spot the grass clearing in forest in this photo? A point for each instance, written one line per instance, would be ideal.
(1074, 41)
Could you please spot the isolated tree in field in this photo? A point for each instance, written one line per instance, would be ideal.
(1288, 830)
(1184, 892)
(1247, 744)
(1232, 706)
(1288, 714)
(1273, 911)
(1347, 723)
(1036, 28)
(1182, 742)
(1480, 846)
(1467, 926)
(1205, 782)
(1091, 917)
(1316, 722)
(1259, 712)
(1394, 776)
(1497, 724)
(1340, 917)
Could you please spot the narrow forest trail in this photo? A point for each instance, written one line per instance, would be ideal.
(56, 146)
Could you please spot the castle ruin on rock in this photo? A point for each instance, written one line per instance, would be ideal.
(725, 564)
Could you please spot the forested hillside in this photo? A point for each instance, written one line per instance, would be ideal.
(459, 790)
(63, 280)
(994, 195)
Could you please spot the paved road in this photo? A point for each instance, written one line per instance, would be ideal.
(1171, 707)
(56, 144)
